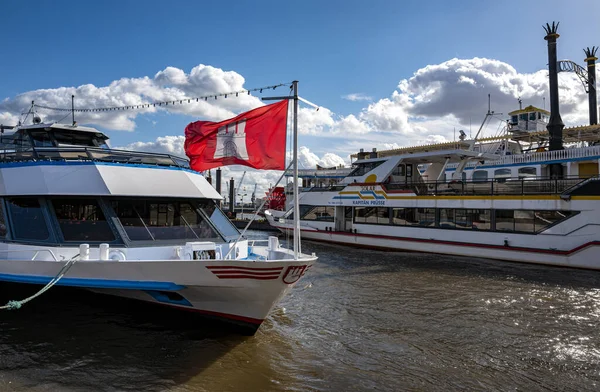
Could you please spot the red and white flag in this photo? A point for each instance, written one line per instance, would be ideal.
(255, 138)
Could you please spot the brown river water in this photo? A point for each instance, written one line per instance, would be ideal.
(360, 320)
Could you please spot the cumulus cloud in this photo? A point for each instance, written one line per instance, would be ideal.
(357, 97)
(171, 84)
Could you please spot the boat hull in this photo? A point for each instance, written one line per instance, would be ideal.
(585, 254)
(239, 292)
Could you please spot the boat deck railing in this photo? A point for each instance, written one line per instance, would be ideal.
(90, 154)
(498, 186)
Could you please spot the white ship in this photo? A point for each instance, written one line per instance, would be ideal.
(131, 224)
(493, 198)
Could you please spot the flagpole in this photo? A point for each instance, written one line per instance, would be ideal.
(295, 159)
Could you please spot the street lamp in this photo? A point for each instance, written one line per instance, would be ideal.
(242, 201)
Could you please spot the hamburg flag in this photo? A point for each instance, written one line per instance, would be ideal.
(255, 138)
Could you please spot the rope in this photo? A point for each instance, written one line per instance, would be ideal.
(13, 305)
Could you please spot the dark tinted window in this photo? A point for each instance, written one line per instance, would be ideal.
(27, 219)
(2, 223)
(218, 218)
(162, 220)
(82, 220)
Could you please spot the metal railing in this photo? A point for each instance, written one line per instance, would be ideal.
(536, 157)
(90, 154)
(508, 186)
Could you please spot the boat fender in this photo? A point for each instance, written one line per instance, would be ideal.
(506, 242)
(117, 255)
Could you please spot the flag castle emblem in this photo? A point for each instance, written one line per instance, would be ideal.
(255, 138)
(231, 141)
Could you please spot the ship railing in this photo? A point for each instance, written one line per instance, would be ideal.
(36, 253)
(498, 186)
(90, 154)
(545, 156)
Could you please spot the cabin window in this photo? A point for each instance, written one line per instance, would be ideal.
(532, 116)
(527, 172)
(523, 117)
(41, 139)
(360, 169)
(502, 173)
(546, 219)
(2, 222)
(514, 120)
(320, 213)
(218, 218)
(86, 139)
(426, 217)
(505, 220)
(404, 217)
(162, 220)
(372, 215)
(480, 175)
(27, 219)
(82, 220)
(447, 218)
(398, 171)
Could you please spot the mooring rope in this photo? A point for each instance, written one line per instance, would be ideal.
(13, 305)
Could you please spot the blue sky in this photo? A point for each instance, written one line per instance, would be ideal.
(334, 48)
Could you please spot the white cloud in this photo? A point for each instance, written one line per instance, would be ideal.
(357, 97)
(171, 84)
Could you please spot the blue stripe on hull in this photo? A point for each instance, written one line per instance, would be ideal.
(94, 283)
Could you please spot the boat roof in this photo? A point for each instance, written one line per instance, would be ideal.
(454, 155)
(62, 127)
(528, 109)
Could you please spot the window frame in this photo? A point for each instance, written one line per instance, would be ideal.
(59, 233)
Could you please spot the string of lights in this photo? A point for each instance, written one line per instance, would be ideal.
(181, 101)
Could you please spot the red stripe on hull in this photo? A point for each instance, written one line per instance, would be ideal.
(212, 267)
(424, 240)
(230, 272)
(247, 277)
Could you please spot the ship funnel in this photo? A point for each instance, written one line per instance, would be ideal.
(591, 81)
(555, 125)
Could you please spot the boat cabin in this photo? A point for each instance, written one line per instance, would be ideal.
(529, 119)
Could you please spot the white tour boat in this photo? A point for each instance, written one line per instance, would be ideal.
(75, 212)
(493, 198)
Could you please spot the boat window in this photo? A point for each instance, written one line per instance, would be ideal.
(527, 172)
(2, 223)
(404, 217)
(82, 220)
(66, 138)
(218, 218)
(546, 219)
(426, 217)
(480, 176)
(532, 116)
(41, 139)
(162, 220)
(505, 220)
(398, 171)
(502, 173)
(27, 219)
(372, 215)
(514, 120)
(359, 169)
(320, 213)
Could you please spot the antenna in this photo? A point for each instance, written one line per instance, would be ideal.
(544, 99)
(489, 103)
(520, 103)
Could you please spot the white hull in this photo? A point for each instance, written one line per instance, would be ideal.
(234, 290)
(581, 251)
